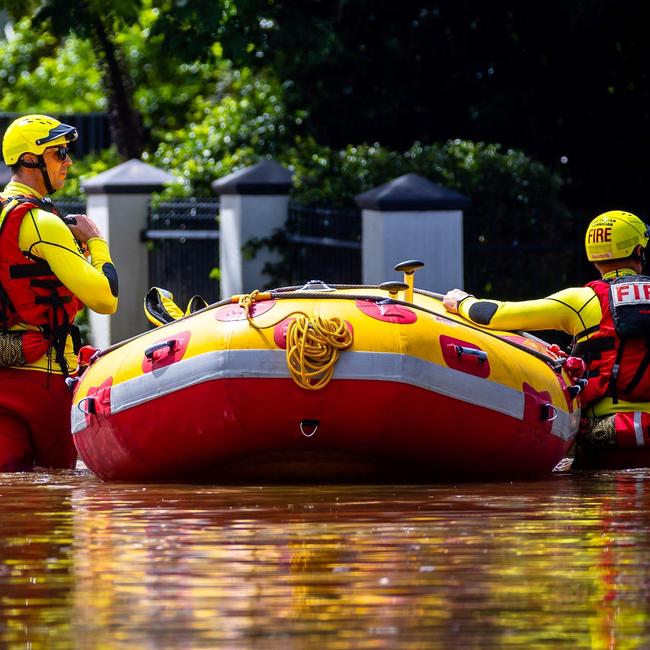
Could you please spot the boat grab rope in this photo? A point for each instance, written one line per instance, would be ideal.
(246, 301)
(285, 293)
(313, 348)
(294, 292)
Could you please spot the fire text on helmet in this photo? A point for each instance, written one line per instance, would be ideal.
(599, 235)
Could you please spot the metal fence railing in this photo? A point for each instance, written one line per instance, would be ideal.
(324, 244)
(182, 237)
(524, 270)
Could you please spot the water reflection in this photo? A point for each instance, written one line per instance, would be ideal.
(562, 562)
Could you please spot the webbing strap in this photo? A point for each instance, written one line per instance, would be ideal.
(640, 371)
(49, 284)
(587, 332)
(21, 271)
(613, 380)
(593, 347)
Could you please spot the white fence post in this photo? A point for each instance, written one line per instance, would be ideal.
(413, 218)
(118, 200)
(253, 203)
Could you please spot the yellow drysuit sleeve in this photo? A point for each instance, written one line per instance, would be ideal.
(94, 281)
(571, 310)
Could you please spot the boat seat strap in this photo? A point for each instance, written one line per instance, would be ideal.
(160, 308)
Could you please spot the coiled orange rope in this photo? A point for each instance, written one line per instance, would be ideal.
(314, 344)
(313, 348)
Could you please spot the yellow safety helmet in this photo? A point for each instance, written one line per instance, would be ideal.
(34, 134)
(614, 235)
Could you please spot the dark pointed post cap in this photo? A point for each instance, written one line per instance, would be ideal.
(266, 177)
(410, 193)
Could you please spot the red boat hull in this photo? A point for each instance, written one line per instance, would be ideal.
(271, 429)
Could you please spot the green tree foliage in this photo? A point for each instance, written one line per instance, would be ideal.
(38, 75)
(85, 169)
(566, 82)
(242, 121)
(512, 196)
(222, 84)
(166, 78)
(98, 22)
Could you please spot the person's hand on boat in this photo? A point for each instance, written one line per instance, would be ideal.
(453, 298)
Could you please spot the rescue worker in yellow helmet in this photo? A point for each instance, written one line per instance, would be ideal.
(50, 267)
(609, 320)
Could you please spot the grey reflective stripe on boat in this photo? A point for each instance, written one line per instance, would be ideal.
(638, 429)
(372, 366)
(77, 419)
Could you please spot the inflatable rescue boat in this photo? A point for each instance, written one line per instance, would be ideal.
(325, 383)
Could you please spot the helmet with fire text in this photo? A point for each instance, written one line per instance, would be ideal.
(614, 235)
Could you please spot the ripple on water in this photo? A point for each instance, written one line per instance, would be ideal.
(561, 562)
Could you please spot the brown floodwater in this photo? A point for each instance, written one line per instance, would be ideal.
(562, 562)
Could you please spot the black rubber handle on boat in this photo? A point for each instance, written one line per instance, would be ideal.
(481, 355)
(548, 412)
(151, 351)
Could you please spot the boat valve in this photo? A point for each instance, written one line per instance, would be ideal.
(394, 287)
(409, 267)
(316, 285)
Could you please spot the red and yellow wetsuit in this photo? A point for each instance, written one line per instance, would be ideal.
(574, 311)
(34, 400)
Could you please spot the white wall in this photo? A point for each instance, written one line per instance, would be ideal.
(435, 237)
(242, 218)
(121, 218)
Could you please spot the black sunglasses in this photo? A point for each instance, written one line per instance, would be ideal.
(61, 152)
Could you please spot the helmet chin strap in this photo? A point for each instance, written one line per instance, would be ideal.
(46, 177)
(43, 167)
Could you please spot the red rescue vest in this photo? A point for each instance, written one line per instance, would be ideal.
(617, 352)
(29, 291)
